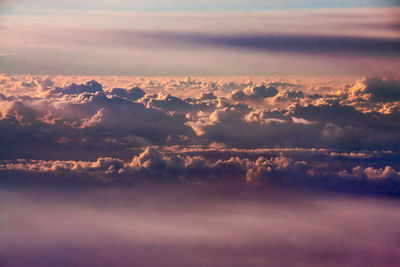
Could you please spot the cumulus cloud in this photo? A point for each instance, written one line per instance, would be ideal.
(132, 94)
(255, 93)
(208, 131)
(153, 165)
(89, 87)
(167, 102)
(180, 166)
(386, 173)
(377, 89)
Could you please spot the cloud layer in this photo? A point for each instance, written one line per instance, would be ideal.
(341, 135)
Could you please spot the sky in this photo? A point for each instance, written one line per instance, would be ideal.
(194, 5)
(199, 133)
(154, 38)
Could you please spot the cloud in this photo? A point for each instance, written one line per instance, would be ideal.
(303, 44)
(172, 167)
(167, 102)
(132, 94)
(207, 96)
(89, 87)
(377, 89)
(302, 121)
(151, 165)
(91, 120)
(255, 93)
(210, 131)
(386, 173)
(271, 42)
(121, 117)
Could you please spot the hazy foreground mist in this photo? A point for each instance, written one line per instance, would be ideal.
(187, 226)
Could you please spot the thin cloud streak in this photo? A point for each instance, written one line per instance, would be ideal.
(281, 43)
(323, 44)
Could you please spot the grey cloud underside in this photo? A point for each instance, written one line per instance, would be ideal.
(275, 133)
